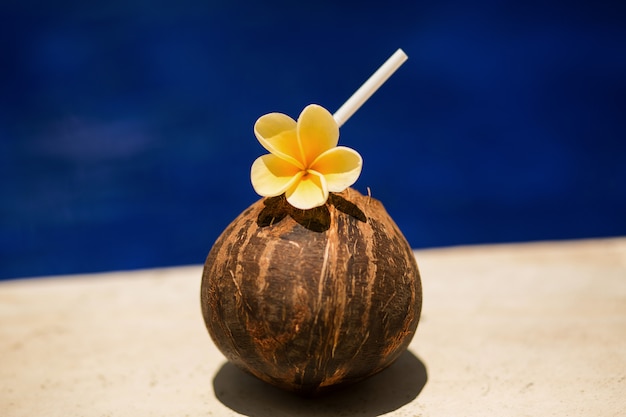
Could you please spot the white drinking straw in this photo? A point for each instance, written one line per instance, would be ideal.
(369, 87)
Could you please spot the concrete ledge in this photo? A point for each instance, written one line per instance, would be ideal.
(507, 330)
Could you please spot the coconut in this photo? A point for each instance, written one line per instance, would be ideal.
(309, 300)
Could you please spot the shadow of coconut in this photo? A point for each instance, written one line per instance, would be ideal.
(387, 391)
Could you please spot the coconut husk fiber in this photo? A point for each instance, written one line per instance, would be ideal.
(309, 300)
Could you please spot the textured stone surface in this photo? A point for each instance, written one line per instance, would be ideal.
(510, 330)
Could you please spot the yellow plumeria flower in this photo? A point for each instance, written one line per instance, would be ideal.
(304, 161)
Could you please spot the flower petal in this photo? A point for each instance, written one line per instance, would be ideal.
(277, 133)
(317, 132)
(309, 192)
(272, 176)
(340, 166)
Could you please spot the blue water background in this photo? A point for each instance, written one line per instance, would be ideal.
(126, 126)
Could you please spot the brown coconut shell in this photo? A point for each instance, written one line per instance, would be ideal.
(309, 300)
